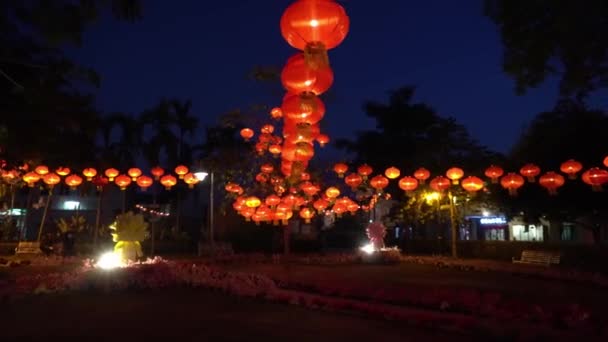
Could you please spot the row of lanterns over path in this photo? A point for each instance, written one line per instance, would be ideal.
(102, 178)
(552, 181)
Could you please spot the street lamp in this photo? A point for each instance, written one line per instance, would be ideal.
(201, 176)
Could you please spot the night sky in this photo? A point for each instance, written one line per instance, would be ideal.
(204, 50)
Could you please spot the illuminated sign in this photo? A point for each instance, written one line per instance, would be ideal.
(492, 220)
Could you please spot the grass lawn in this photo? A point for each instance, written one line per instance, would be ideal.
(191, 315)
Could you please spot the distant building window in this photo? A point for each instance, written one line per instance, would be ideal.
(494, 234)
(527, 233)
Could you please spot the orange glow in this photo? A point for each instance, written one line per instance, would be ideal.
(168, 181)
(123, 181)
(276, 113)
(252, 202)
(332, 192)
(422, 175)
(365, 170)
(392, 172)
(247, 133)
(353, 180)
(191, 180)
(134, 173)
(408, 184)
(41, 170)
(89, 173)
(73, 181)
(307, 214)
(181, 171)
(530, 171)
(379, 182)
(455, 174)
(111, 173)
(551, 181)
(267, 168)
(571, 168)
(440, 184)
(63, 171)
(267, 129)
(51, 179)
(472, 184)
(31, 178)
(340, 169)
(494, 173)
(157, 172)
(299, 77)
(144, 182)
(512, 182)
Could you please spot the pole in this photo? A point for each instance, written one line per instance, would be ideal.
(211, 232)
(97, 218)
(46, 209)
(454, 224)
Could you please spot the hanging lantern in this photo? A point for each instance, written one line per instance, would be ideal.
(267, 129)
(320, 204)
(261, 178)
(181, 171)
(89, 173)
(100, 182)
(51, 179)
(315, 26)
(267, 168)
(472, 184)
(157, 172)
(247, 133)
(144, 182)
(422, 175)
(252, 202)
(455, 174)
(512, 182)
(260, 148)
(571, 168)
(595, 177)
(275, 150)
(340, 169)
(323, 140)
(379, 182)
(73, 181)
(41, 170)
(305, 176)
(332, 192)
(606, 161)
(298, 77)
(352, 207)
(440, 184)
(353, 180)
(307, 214)
(494, 173)
(31, 178)
(339, 209)
(276, 113)
(272, 201)
(122, 181)
(134, 173)
(408, 184)
(168, 181)
(530, 171)
(191, 180)
(63, 171)
(111, 173)
(392, 172)
(364, 171)
(551, 181)
(247, 213)
(303, 108)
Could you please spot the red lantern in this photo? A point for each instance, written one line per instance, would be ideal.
(309, 22)
(157, 172)
(111, 173)
(41, 170)
(89, 173)
(261, 178)
(454, 174)
(247, 133)
(303, 108)
(276, 113)
(51, 179)
(551, 181)
(134, 173)
(340, 169)
(379, 182)
(63, 171)
(300, 152)
(300, 132)
(191, 180)
(339, 209)
(408, 184)
(472, 184)
(298, 77)
(252, 202)
(73, 181)
(31, 178)
(606, 161)
(440, 184)
(100, 182)
(332, 192)
(571, 168)
(392, 172)
(422, 175)
(168, 181)
(323, 140)
(530, 171)
(352, 207)
(512, 182)
(122, 181)
(320, 204)
(275, 150)
(181, 171)
(272, 201)
(267, 129)
(595, 177)
(365, 170)
(353, 180)
(267, 168)
(494, 173)
(309, 189)
(144, 182)
(307, 214)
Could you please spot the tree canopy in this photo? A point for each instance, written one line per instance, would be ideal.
(547, 38)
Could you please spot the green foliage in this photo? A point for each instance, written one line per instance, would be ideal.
(547, 38)
(76, 224)
(129, 227)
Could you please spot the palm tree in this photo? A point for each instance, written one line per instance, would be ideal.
(186, 124)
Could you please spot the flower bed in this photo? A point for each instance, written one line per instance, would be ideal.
(453, 309)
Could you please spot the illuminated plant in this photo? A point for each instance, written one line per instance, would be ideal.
(376, 232)
(128, 231)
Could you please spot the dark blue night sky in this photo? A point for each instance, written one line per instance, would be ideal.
(204, 50)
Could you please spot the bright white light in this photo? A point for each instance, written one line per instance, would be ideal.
(200, 175)
(71, 205)
(308, 83)
(485, 213)
(109, 260)
(492, 220)
(314, 23)
(368, 249)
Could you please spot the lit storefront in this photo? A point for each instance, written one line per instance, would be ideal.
(525, 231)
(491, 228)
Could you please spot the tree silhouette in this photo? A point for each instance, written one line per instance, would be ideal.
(546, 38)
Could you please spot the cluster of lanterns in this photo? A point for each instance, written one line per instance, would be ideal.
(313, 27)
(99, 178)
